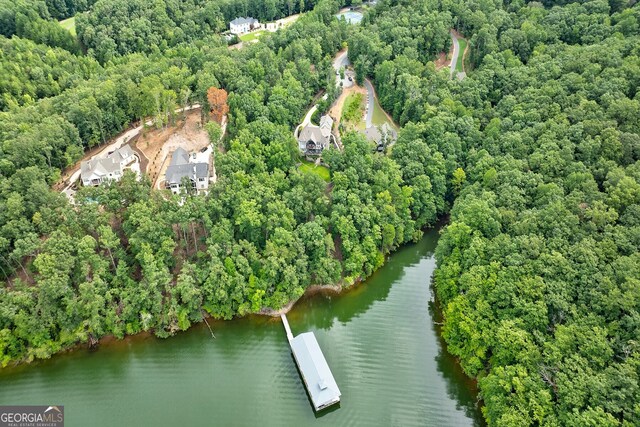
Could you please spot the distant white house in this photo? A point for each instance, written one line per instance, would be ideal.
(193, 167)
(272, 26)
(243, 25)
(313, 139)
(96, 171)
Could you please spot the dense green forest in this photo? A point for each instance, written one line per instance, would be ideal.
(35, 20)
(118, 27)
(534, 156)
(125, 259)
(539, 267)
(33, 71)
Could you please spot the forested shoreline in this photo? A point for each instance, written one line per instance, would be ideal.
(126, 259)
(535, 156)
(538, 271)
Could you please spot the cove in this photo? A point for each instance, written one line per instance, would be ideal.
(379, 339)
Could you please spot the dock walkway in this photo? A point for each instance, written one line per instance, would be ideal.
(285, 322)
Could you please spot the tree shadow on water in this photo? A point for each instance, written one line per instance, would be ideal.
(460, 388)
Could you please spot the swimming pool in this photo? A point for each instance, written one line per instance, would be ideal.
(351, 16)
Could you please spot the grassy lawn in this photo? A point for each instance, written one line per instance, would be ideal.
(379, 117)
(251, 36)
(353, 109)
(463, 46)
(321, 171)
(69, 24)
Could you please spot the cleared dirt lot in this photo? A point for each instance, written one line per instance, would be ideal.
(158, 144)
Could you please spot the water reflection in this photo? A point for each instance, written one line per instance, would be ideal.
(378, 338)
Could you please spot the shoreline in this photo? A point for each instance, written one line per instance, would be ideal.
(110, 339)
(311, 290)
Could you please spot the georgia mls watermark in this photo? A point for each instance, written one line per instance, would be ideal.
(32, 416)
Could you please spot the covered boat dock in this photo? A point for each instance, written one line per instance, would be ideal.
(317, 376)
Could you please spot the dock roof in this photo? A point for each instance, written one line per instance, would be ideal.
(315, 371)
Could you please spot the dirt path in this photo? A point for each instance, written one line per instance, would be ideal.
(284, 22)
(442, 60)
(336, 109)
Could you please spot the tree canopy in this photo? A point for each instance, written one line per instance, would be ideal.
(534, 159)
(537, 275)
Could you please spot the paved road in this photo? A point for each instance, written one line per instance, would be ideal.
(370, 100)
(456, 52)
(307, 117)
(117, 143)
(340, 61)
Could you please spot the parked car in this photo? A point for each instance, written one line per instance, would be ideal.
(204, 149)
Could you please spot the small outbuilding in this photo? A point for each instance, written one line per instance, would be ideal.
(381, 135)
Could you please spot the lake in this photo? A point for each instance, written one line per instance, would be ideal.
(378, 338)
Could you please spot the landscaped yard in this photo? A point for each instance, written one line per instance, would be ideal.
(321, 171)
(463, 45)
(69, 24)
(251, 36)
(353, 110)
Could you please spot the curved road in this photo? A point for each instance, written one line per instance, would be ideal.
(456, 52)
(342, 60)
(371, 96)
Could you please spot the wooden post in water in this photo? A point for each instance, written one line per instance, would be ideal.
(205, 321)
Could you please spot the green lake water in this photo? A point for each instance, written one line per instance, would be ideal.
(378, 338)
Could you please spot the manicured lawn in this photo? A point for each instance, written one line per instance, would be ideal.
(463, 46)
(69, 24)
(321, 171)
(379, 117)
(251, 36)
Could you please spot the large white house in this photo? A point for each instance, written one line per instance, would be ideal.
(193, 167)
(243, 25)
(96, 171)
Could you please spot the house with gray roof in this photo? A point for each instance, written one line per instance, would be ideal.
(381, 135)
(98, 170)
(313, 139)
(243, 25)
(187, 166)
